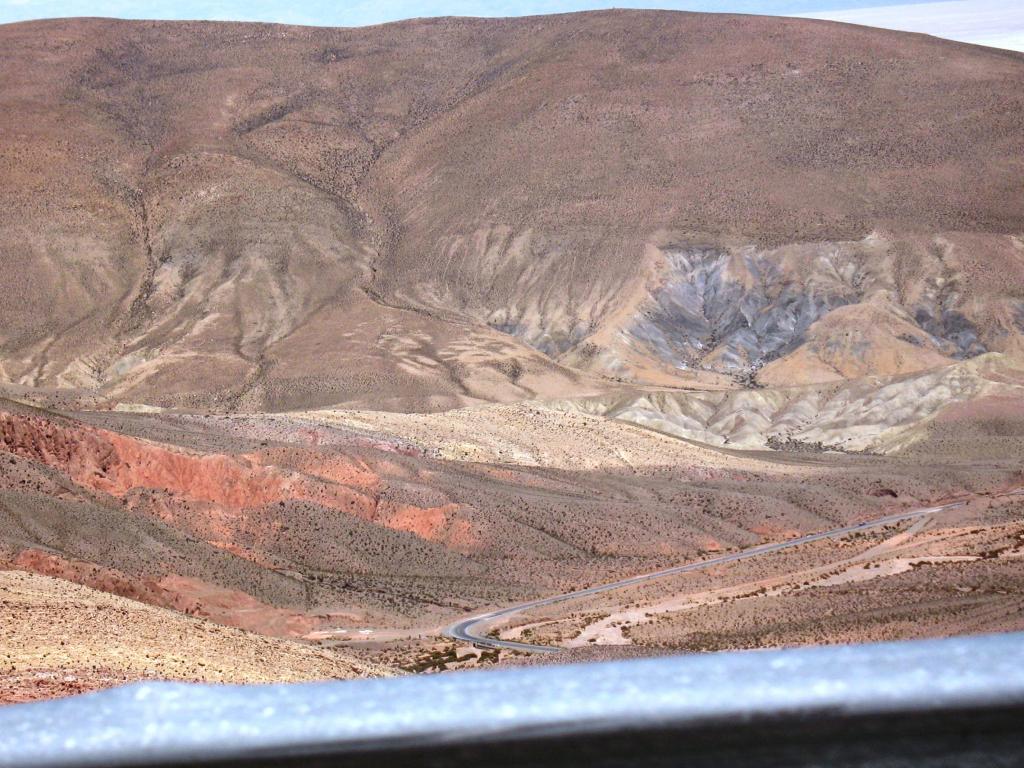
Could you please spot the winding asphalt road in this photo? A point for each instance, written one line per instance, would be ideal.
(470, 630)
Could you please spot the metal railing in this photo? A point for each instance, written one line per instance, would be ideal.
(940, 702)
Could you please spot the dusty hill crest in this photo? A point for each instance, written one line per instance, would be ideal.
(432, 213)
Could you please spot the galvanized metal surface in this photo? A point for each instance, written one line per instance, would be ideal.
(171, 722)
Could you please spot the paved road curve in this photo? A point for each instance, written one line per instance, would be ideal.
(467, 630)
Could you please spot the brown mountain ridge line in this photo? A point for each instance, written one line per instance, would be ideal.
(435, 213)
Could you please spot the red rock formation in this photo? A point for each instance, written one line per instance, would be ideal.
(433, 523)
(219, 486)
(114, 464)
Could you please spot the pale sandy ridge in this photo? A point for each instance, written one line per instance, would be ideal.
(53, 631)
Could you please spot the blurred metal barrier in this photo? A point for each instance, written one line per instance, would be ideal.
(957, 702)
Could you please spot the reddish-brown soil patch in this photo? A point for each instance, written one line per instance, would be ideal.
(188, 595)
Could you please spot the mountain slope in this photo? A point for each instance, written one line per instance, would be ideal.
(434, 213)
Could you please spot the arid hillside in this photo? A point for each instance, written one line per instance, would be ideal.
(60, 639)
(434, 213)
(325, 524)
(340, 336)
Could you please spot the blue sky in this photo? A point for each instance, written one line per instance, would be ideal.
(988, 22)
